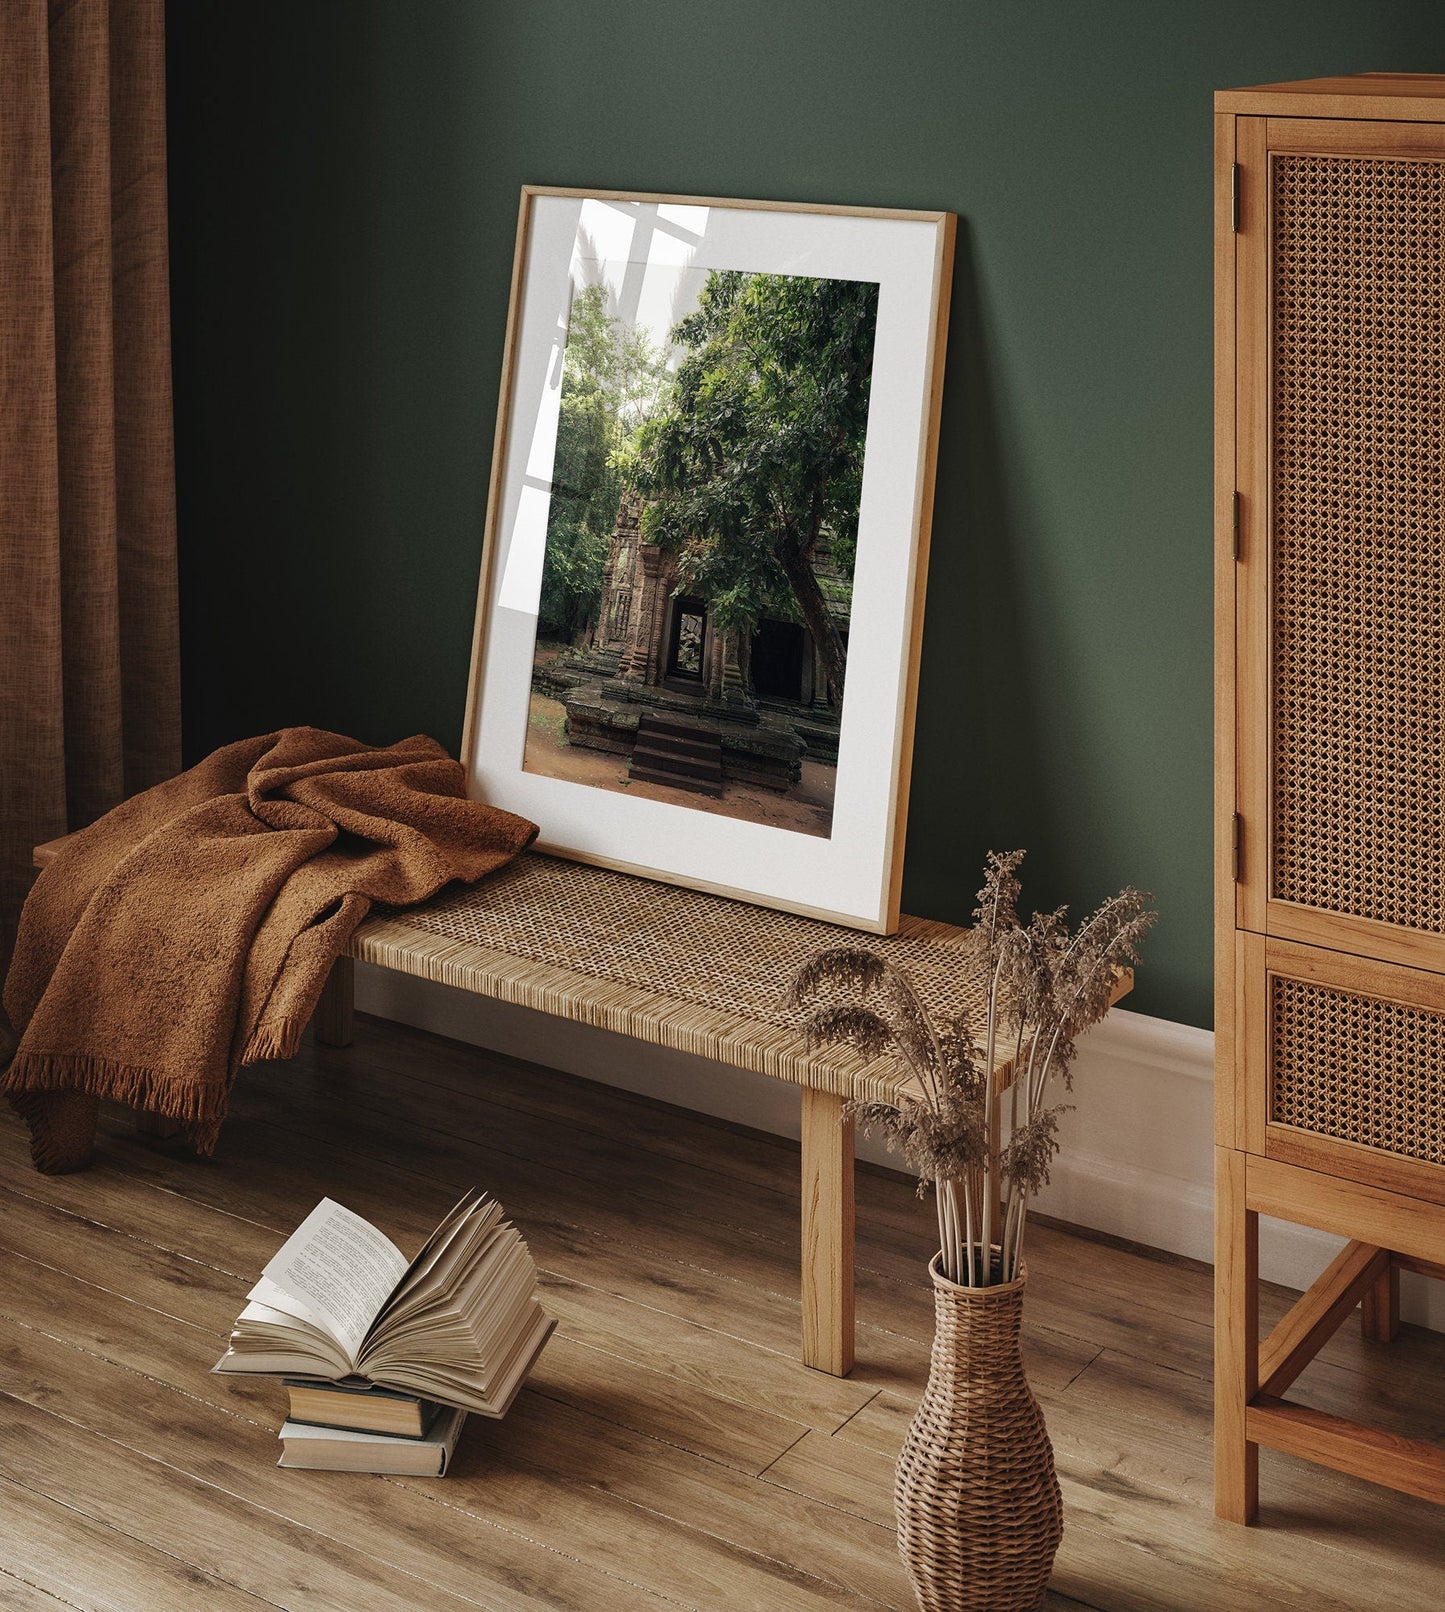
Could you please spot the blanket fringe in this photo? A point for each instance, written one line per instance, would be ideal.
(200, 1109)
(273, 1041)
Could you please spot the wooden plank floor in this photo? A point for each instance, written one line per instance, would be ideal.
(670, 1450)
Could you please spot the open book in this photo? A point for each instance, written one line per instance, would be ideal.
(461, 1324)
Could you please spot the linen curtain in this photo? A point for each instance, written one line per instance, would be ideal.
(89, 674)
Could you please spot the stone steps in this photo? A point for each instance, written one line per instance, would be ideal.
(677, 754)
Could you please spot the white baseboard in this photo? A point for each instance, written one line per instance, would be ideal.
(1138, 1154)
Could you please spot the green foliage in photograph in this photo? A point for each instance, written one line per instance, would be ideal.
(610, 376)
(754, 462)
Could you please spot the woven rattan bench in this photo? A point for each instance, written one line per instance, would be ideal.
(686, 970)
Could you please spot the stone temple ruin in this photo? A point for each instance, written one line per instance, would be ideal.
(692, 706)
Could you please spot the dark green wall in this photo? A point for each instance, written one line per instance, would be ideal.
(344, 182)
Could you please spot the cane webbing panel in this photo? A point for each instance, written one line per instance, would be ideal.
(1357, 1068)
(1358, 578)
(693, 971)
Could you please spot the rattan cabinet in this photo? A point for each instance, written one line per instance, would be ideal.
(1330, 737)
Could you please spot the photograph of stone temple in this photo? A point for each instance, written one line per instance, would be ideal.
(697, 581)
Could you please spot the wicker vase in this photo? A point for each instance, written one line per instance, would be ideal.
(977, 1499)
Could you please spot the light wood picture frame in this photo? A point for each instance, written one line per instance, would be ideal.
(701, 599)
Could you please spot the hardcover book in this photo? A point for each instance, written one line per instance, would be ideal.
(338, 1449)
(360, 1406)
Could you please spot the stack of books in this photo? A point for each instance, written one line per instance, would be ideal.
(383, 1359)
(354, 1426)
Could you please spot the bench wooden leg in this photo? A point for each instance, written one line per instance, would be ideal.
(827, 1234)
(333, 1012)
(62, 1128)
(1236, 1339)
(161, 1126)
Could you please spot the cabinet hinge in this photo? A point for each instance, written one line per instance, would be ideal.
(1238, 844)
(1236, 525)
(1234, 198)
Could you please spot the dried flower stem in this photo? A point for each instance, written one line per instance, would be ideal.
(1045, 988)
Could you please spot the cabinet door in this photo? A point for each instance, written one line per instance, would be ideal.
(1340, 597)
(1342, 1065)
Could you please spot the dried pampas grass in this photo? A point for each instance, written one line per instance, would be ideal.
(1046, 987)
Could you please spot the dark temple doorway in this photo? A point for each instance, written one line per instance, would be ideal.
(780, 650)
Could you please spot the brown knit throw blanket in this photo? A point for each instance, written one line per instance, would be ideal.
(191, 930)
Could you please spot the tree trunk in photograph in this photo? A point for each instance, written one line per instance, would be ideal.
(799, 571)
(977, 1499)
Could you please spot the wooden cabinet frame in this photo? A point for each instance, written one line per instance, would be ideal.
(1251, 1378)
(1392, 1207)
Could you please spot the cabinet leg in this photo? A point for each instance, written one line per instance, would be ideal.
(1236, 1339)
(1380, 1307)
(333, 1012)
(827, 1234)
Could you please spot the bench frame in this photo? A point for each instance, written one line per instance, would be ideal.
(827, 1194)
(827, 1131)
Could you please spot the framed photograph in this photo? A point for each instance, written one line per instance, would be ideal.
(701, 601)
